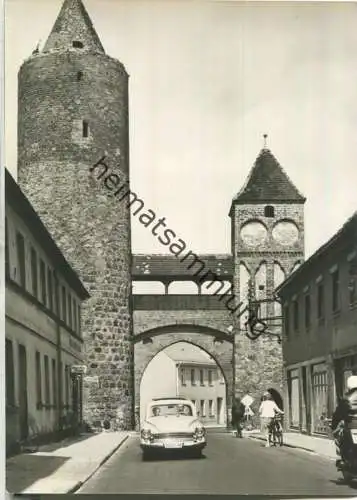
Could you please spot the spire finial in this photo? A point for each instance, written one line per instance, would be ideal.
(265, 140)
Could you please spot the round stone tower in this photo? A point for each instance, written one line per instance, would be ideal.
(73, 111)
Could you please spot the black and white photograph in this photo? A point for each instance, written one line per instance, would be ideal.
(180, 247)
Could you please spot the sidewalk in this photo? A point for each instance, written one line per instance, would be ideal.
(320, 446)
(61, 467)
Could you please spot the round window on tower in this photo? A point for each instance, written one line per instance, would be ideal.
(285, 233)
(253, 233)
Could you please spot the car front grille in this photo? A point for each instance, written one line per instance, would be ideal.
(174, 435)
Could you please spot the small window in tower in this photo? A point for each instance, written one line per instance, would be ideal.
(78, 45)
(79, 76)
(85, 129)
(269, 211)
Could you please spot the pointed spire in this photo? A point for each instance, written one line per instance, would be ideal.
(73, 29)
(267, 182)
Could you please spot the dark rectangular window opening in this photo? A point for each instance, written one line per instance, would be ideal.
(9, 373)
(352, 285)
(296, 315)
(287, 321)
(54, 383)
(77, 44)
(307, 311)
(34, 278)
(201, 377)
(50, 289)
(20, 245)
(70, 318)
(210, 377)
(193, 381)
(64, 305)
(43, 282)
(85, 128)
(47, 382)
(79, 319)
(7, 254)
(75, 326)
(335, 292)
(38, 379)
(79, 76)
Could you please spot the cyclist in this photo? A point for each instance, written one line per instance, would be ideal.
(267, 410)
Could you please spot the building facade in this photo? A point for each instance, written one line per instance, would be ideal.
(43, 300)
(189, 373)
(72, 113)
(320, 326)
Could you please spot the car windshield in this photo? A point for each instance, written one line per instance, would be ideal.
(164, 410)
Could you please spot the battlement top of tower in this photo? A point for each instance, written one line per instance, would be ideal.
(268, 182)
(73, 29)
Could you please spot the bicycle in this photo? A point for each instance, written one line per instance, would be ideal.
(276, 431)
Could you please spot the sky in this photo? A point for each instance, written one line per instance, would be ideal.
(207, 80)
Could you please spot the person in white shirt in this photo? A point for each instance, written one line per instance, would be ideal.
(267, 410)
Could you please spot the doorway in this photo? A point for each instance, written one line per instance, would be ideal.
(23, 409)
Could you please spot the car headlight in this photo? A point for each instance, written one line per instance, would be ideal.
(199, 433)
(146, 434)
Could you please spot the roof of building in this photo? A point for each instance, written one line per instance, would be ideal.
(349, 228)
(268, 182)
(189, 354)
(21, 205)
(73, 24)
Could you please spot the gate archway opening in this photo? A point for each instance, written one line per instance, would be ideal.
(184, 369)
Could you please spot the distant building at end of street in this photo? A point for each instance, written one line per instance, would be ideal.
(319, 304)
(43, 299)
(187, 372)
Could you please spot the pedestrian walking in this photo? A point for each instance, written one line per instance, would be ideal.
(267, 410)
(238, 410)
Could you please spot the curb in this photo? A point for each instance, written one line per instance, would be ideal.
(295, 446)
(79, 484)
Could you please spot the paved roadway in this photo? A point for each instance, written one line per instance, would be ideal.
(229, 466)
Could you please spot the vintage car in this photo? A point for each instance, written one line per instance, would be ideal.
(172, 424)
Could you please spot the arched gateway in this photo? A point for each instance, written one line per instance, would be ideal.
(218, 344)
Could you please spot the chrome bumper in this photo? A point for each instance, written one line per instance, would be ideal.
(172, 444)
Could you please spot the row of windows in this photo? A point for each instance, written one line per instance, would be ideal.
(46, 378)
(202, 379)
(204, 409)
(44, 285)
(292, 317)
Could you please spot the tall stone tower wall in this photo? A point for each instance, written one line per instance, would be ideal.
(267, 244)
(73, 110)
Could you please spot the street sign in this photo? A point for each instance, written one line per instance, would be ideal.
(79, 369)
(247, 400)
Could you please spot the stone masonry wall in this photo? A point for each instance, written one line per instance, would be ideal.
(91, 228)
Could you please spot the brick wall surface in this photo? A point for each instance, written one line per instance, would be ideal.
(91, 228)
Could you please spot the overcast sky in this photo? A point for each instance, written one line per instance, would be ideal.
(207, 80)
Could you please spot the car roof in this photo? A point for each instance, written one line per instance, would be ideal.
(170, 400)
